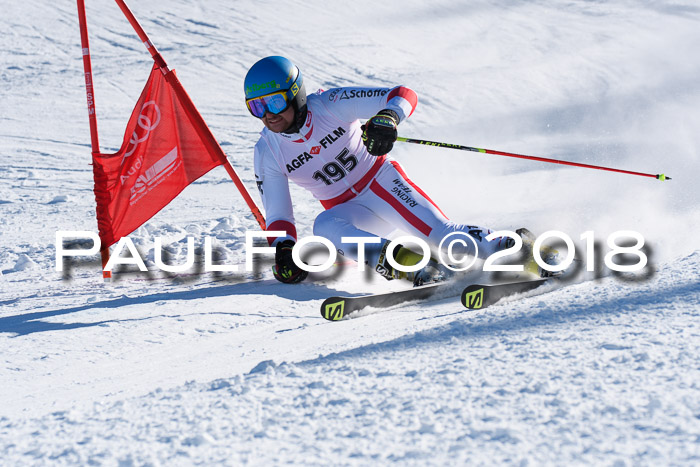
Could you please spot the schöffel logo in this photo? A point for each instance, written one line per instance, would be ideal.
(353, 93)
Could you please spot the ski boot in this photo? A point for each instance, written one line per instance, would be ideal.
(430, 273)
(548, 255)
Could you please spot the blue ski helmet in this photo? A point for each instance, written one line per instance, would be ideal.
(275, 75)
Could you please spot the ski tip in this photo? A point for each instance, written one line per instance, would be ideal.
(663, 177)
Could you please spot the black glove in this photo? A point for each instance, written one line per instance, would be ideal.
(285, 270)
(379, 133)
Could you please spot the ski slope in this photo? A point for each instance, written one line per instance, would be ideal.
(235, 368)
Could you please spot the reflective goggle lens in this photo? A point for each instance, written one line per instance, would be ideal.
(273, 103)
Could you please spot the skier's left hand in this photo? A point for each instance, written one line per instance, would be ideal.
(285, 270)
(379, 133)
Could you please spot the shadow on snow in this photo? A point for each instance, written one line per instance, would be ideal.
(29, 323)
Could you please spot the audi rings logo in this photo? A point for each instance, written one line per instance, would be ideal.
(146, 123)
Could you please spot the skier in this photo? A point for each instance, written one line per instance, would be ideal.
(318, 142)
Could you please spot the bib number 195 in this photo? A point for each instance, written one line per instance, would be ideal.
(335, 171)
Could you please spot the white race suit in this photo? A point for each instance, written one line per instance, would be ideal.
(363, 195)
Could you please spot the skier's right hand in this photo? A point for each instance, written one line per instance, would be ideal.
(379, 133)
(285, 270)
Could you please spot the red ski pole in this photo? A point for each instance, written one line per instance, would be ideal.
(532, 158)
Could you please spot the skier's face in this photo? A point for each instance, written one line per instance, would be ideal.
(280, 122)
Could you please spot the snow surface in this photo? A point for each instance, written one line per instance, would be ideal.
(156, 369)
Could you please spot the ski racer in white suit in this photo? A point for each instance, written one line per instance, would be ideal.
(319, 143)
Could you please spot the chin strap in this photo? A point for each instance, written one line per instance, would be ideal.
(298, 123)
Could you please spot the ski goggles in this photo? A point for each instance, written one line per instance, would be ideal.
(274, 103)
